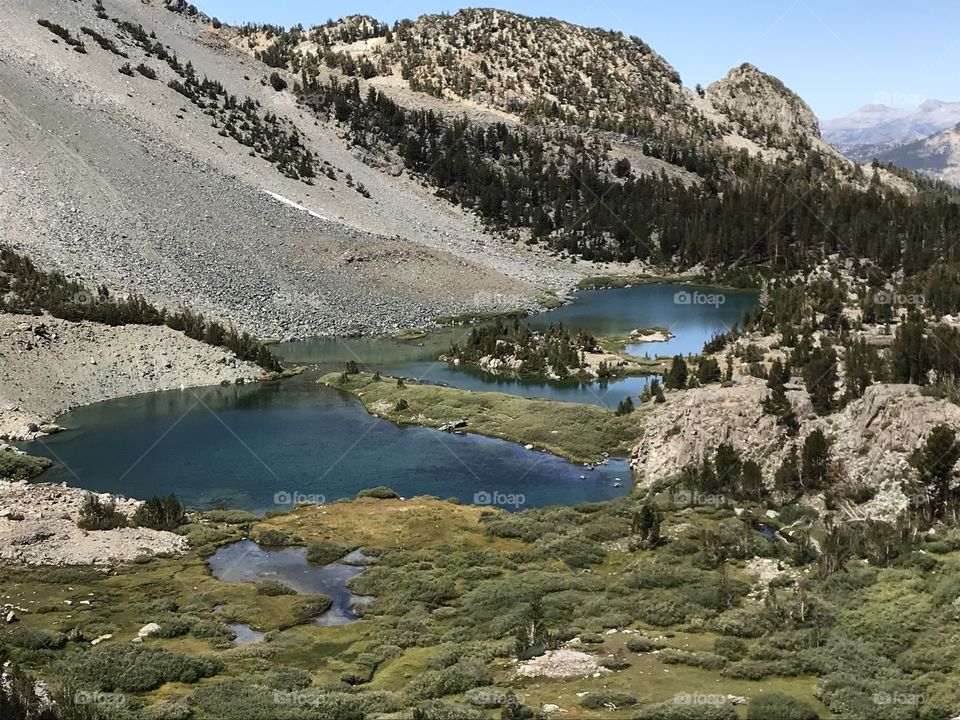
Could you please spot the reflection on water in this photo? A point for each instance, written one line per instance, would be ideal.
(245, 561)
(257, 446)
(610, 313)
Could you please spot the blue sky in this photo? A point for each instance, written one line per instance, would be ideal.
(836, 54)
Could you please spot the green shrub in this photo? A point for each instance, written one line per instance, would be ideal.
(442, 710)
(310, 607)
(97, 515)
(31, 638)
(273, 538)
(230, 517)
(273, 588)
(380, 493)
(730, 647)
(467, 673)
(324, 553)
(16, 466)
(679, 711)
(778, 706)
(705, 660)
(617, 661)
(137, 668)
(160, 513)
(644, 644)
(606, 698)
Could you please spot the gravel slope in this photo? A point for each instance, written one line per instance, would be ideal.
(48, 366)
(121, 180)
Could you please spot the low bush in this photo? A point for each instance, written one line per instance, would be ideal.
(160, 513)
(14, 466)
(778, 706)
(679, 711)
(31, 638)
(607, 699)
(644, 644)
(380, 493)
(273, 538)
(730, 647)
(137, 668)
(272, 588)
(324, 553)
(97, 515)
(705, 660)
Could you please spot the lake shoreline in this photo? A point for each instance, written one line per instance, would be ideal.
(559, 428)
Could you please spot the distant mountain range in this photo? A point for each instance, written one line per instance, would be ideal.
(925, 139)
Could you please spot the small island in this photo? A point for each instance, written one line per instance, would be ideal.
(510, 347)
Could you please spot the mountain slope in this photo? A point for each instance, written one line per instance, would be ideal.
(124, 180)
(937, 156)
(292, 181)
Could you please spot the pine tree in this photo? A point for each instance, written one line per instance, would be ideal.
(909, 357)
(816, 458)
(676, 378)
(751, 481)
(776, 403)
(820, 377)
(935, 461)
(727, 462)
(787, 478)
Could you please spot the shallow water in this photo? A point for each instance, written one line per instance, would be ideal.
(245, 561)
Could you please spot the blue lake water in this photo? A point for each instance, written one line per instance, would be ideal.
(260, 446)
(612, 313)
(257, 447)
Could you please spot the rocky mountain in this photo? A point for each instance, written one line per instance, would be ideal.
(290, 181)
(877, 124)
(937, 156)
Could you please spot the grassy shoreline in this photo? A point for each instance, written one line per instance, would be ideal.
(577, 432)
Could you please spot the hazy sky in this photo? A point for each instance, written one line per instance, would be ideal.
(836, 54)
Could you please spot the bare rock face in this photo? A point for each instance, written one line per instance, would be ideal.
(875, 435)
(765, 110)
(694, 422)
(871, 439)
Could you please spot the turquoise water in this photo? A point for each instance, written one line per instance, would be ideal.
(613, 312)
(257, 447)
(260, 446)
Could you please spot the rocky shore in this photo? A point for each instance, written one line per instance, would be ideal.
(38, 526)
(48, 366)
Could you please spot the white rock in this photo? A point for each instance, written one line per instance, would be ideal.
(148, 630)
